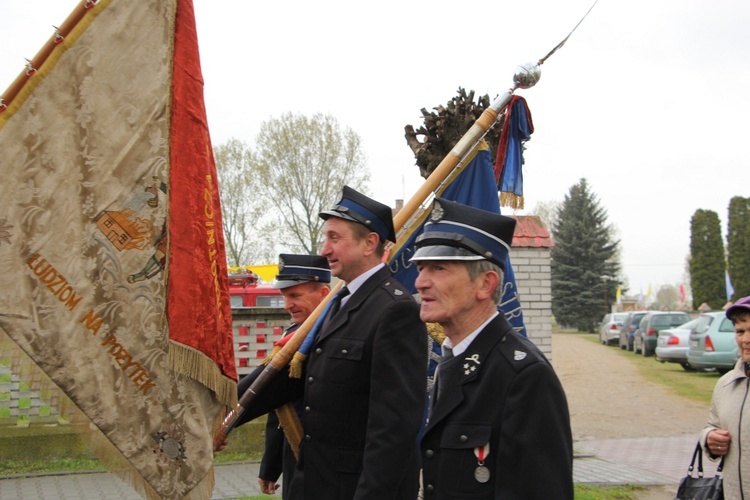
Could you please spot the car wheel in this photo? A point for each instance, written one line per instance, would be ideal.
(643, 350)
(623, 347)
(686, 366)
(635, 348)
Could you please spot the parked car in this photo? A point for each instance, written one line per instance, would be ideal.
(712, 343)
(644, 340)
(672, 344)
(609, 328)
(628, 328)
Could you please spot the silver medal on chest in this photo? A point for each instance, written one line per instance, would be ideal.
(482, 474)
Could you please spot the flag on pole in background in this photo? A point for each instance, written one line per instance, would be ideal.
(730, 288)
(114, 274)
(618, 294)
(517, 129)
(682, 294)
(474, 187)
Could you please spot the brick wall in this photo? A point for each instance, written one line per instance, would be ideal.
(533, 278)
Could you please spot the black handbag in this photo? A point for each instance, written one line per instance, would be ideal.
(700, 487)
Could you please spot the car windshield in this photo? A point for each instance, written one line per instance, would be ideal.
(669, 319)
(620, 318)
(703, 323)
(637, 319)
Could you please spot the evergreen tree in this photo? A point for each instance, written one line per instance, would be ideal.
(707, 271)
(738, 246)
(584, 264)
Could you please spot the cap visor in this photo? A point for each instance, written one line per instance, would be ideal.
(332, 213)
(444, 252)
(286, 283)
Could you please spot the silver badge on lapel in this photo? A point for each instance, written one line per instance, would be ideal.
(470, 368)
(398, 292)
(519, 355)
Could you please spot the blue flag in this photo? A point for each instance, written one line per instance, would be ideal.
(475, 186)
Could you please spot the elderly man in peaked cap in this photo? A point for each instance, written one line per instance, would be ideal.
(498, 424)
(365, 376)
(304, 282)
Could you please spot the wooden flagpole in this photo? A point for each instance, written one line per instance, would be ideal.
(41, 57)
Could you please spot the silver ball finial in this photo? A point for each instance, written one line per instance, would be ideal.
(527, 75)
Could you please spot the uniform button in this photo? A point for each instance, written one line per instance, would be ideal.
(463, 438)
(430, 489)
(307, 437)
(318, 350)
(344, 351)
(310, 380)
(307, 409)
(429, 453)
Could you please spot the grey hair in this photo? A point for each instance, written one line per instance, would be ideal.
(479, 267)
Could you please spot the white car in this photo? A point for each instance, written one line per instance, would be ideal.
(609, 328)
(673, 343)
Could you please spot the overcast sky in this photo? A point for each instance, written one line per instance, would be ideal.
(648, 100)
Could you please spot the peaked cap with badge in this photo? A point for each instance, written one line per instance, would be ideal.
(356, 207)
(295, 269)
(459, 232)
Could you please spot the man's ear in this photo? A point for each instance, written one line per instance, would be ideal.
(488, 283)
(371, 243)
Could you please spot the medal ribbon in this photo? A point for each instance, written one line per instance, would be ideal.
(482, 452)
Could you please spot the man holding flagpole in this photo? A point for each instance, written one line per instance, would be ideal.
(365, 373)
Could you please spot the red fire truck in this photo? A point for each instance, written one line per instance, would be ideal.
(245, 291)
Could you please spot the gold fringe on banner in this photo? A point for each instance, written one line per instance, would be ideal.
(295, 365)
(436, 332)
(511, 200)
(268, 358)
(291, 426)
(196, 365)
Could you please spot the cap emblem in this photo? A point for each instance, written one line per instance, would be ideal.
(437, 212)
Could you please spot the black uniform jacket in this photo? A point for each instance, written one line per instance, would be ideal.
(501, 391)
(364, 397)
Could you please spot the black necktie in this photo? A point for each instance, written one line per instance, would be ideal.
(447, 355)
(336, 305)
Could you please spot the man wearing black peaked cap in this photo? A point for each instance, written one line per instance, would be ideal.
(498, 423)
(365, 376)
(304, 282)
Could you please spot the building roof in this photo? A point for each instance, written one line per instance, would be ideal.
(531, 233)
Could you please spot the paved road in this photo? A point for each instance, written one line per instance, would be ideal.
(645, 461)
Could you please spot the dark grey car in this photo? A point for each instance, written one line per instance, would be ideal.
(650, 326)
(629, 326)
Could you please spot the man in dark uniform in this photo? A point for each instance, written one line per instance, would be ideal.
(498, 424)
(364, 384)
(303, 281)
